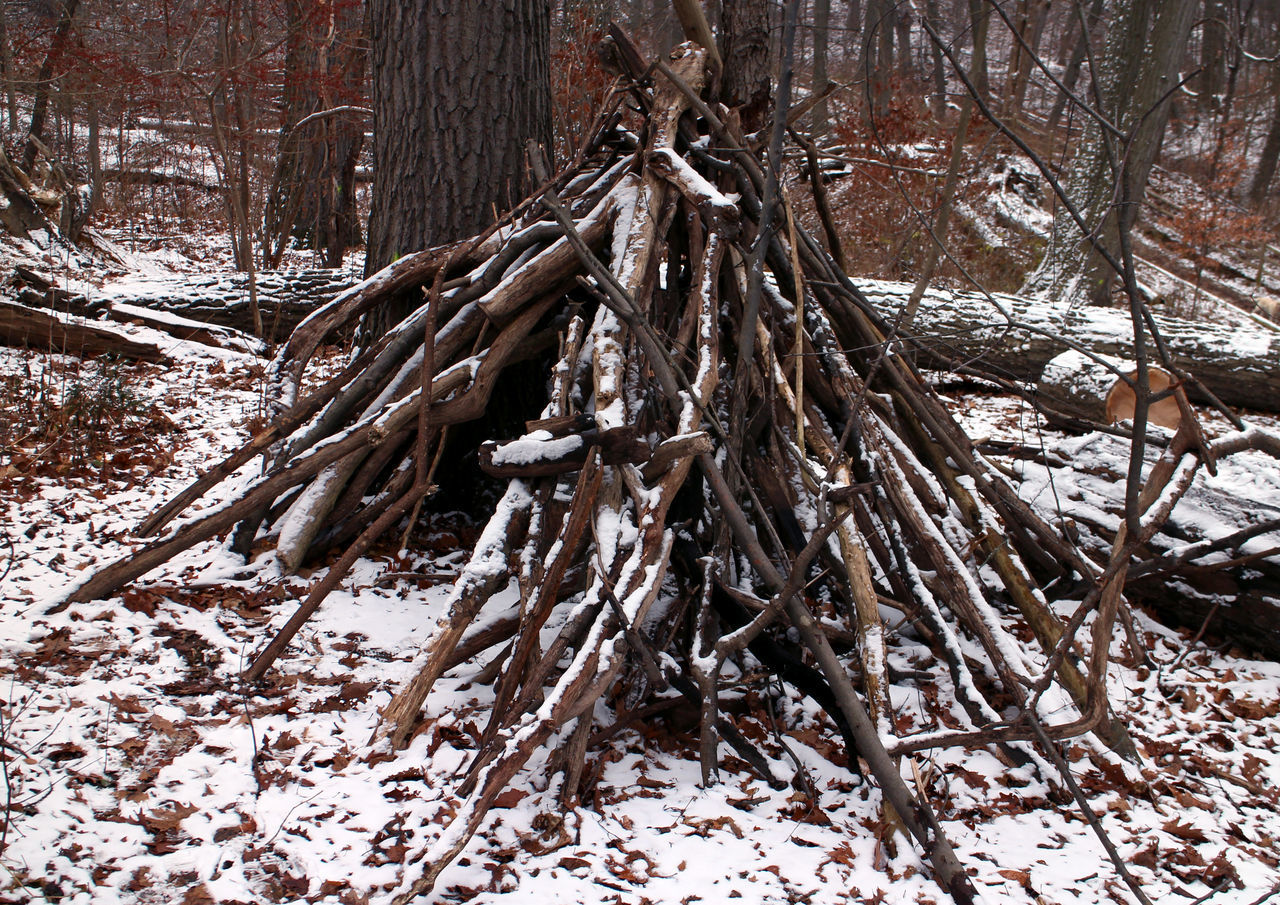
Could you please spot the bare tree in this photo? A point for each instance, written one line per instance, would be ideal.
(44, 81)
(1137, 73)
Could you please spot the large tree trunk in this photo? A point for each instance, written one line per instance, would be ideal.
(744, 48)
(1144, 50)
(459, 87)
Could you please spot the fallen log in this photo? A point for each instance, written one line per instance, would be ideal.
(1015, 338)
(1216, 561)
(69, 335)
(40, 291)
(1103, 391)
(285, 297)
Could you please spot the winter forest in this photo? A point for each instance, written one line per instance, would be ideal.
(640, 451)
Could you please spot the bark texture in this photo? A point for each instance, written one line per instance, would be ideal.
(1138, 69)
(1016, 337)
(744, 47)
(458, 88)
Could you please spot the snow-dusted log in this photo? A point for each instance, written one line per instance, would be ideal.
(1013, 337)
(69, 334)
(1103, 390)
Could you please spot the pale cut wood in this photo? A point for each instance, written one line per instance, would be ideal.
(1081, 387)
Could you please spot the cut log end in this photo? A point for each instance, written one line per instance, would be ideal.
(1098, 390)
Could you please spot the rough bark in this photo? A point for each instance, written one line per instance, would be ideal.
(744, 48)
(1108, 177)
(1240, 365)
(458, 89)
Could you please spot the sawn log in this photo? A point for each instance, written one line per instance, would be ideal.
(1013, 337)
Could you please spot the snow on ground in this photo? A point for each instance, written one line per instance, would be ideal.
(140, 769)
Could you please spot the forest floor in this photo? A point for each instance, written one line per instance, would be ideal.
(138, 768)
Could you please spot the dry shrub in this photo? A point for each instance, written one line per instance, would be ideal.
(1215, 222)
(878, 207)
(66, 417)
(873, 206)
(578, 81)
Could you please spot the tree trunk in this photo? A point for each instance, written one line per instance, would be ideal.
(49, 331)
(744, 48)
(458, 88)
(1030, 20)
(821, 41)
(906, 64)
(7, 73)
(1140, 65)
(979, 20)
(312, 198)
(1271, 150)
(44, 82)
(1080, 49)
(877, 35)
(938, 64)
(853, 37)
(1213, 55)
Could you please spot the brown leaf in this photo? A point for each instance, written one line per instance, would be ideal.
(168, 816)
(197, 895)
(123, 705)
(510, 798)
(1021, 877)
(1184, 831)
(296, 885)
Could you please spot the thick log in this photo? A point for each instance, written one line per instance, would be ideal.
(187, 330)
(285, 297)
(1239, 364)
(70, 335)
(1081, 387)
